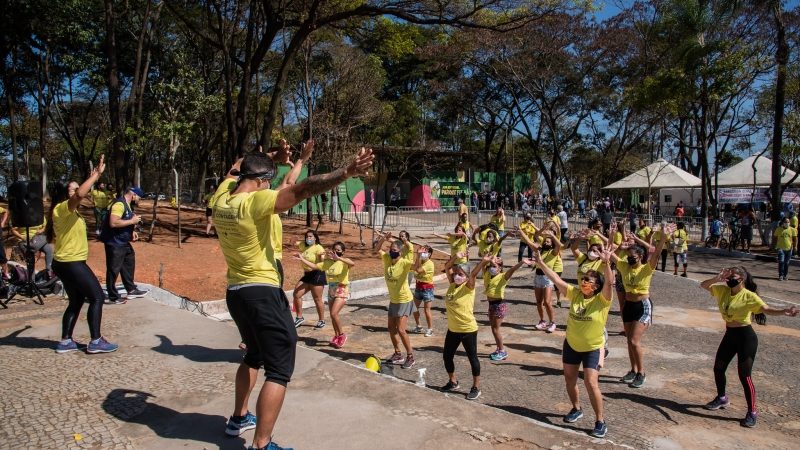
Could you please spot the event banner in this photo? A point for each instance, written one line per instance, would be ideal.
(447, 189)
(758, 195)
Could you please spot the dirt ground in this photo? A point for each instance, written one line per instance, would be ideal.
(197, 269)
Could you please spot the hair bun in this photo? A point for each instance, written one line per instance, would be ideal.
(235, 172)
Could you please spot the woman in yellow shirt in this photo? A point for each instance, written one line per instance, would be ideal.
(785, 243)
(337, 272)
(679, 244)
(458, 241)
(423, 291)
(529, 229)
(401, 305)
(635, 273)
(738, 301)
(462, 328)
(495, 281)
(313, 279)
(67, 229)
(543, 287)
(499, 220)
(585, 339)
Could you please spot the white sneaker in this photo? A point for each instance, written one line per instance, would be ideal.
(542, 325)
(429, 333)
(418, 329)
(552, 327)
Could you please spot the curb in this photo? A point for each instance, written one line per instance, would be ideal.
(218, 309)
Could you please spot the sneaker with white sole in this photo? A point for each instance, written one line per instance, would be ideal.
(600, 430)
(396, 358)
(136, 293)
(473, 393)
(101, 345)
(320, 325)
(429, 333)
(298, 321)
(238, 425)
(409, 362)
(66, 346)
(551, 327)
(450, 387)
(573, 415)
(499, 355)
(718, 403)
(541, 326)
(629, 377)
(418, 330)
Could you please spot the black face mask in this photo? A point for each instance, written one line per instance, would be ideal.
(339, 253)
(632, 260)
(732, 282)
(547, 247)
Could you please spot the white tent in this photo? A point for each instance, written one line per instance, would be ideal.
(742, 174)
(661, 174)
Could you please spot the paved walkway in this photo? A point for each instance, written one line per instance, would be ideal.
(170, 385)
(680, 349)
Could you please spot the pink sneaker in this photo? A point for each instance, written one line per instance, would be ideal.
(342, 340)
(334, 341)
(552, 327)
(542, 325)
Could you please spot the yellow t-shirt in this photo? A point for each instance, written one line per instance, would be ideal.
(100, 198)
(737, 308)
(784, 238)
(553, 261)
(462, 209)
(70, 242)
(528, 228)
(585, 265)
(556, 219)
(679, 242)
(33, 231)
(118, 209)
(793, 222)
(618, 241)
(636, 280)
(457, 245)
(243, 225)
(643, 233)
(459, 303)
(310, 252)
(335, 271)
(595, 240)
(428, 269)
(396, 276)
(275, 238)
(484, 248)
(494, 286)
(500, 221)
(207, 199)
(586, 320)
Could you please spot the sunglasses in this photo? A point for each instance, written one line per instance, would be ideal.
(588, 280)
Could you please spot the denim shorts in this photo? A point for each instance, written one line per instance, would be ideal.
(423, 295)
(542, 282)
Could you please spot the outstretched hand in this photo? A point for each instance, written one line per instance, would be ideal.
(670, 228)
(308, 149)
(100, 167)
(361, 164)
(724, 274)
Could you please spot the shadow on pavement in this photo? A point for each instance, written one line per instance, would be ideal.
(13, 339)
(198, 353)
(664, 406)
(548, 418)
(527, 348)
(132, 406)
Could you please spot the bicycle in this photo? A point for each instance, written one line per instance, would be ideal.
(734, 239)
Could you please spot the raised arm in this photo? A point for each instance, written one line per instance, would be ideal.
(86, 186)
(291, 177)
(527, 241)
(665, 232)
(608, 274)
(720, 278)
(510, 272)
(384, 238)
(478, 269)
(561, 285)
(306, 262)
(317, 184)
(334, 257)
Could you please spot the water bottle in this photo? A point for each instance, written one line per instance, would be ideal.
(421, 380)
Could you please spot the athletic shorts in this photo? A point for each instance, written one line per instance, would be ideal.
(337, 290)
(208, 212)
(747, 232)
(680, 258)
(314, 277)
(423, 295)
(542, 282)
(498, 308)
(590, 359)
(401, 309)
(261, 313)
(634, 311)
(3, 257)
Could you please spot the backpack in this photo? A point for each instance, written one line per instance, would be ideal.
(106, 232)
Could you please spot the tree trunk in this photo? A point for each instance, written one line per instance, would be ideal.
(118, 159)
(781, 59)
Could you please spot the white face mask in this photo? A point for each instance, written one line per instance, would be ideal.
(309, 241)
(593, 255)
(459, 279)
(493, 271)
(423, 256)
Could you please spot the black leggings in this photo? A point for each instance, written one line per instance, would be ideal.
(664, 253)
(742, 342)
(522, 247)
(470, 343)
(81, 286)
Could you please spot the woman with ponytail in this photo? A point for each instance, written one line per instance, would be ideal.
(66, 228)
(738, 301)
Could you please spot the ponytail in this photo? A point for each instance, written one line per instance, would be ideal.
(58, 194)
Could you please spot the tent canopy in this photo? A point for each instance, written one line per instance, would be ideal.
(661, 174)
(742, 174)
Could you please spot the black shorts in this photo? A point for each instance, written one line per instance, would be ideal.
(315, 278)
(747, 232)
(208, 212)
(3, 257)
(262, 315)
(641, 311)
(590, 360)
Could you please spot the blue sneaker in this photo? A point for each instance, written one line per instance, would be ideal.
(270, 446)
(749, 420)
(600, 430)
(237, 427)
(498, 355)
(101, 345)
(66, 346)
(573, 415)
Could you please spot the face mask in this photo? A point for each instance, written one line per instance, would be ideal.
(393, 254)
(547, 247)
(489, 240)
(587, 289)
(785, 225)
(463, 219)
(733, 282)
(424, 256)
(339, 253)
(309, 241)
(593, 256)
(632, 260)
(493, 271)
(459, 279)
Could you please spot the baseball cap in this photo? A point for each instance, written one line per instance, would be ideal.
(136, 190)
